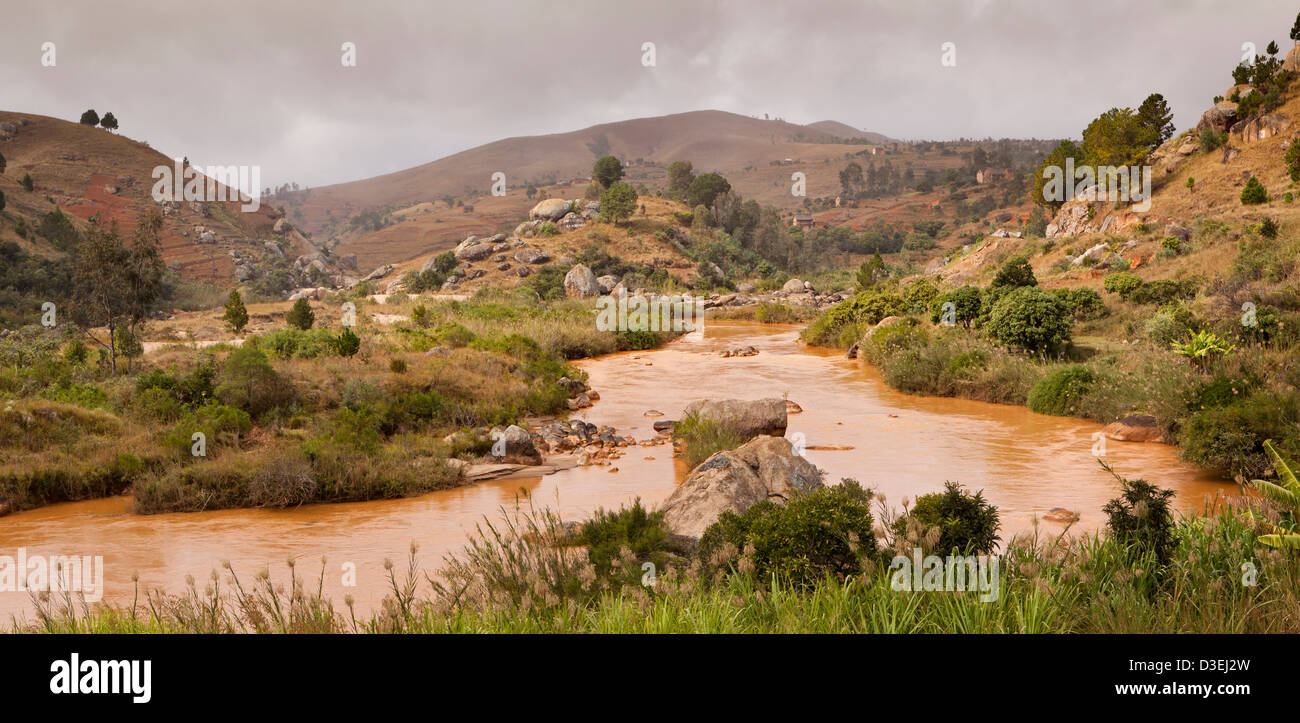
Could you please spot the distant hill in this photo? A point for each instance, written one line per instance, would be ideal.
(712, 140)
(87, 171)
(843, 130)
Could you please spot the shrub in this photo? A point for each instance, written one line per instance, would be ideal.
(1014, 273)
(249, 382)
(968, 525)
(236, 316)
(301, 316)
(1083, 303)
(966, 304)
(823, 533)
(1162, 291)
(420, 316)
(703, 438)
(1140, 519)
(347, 343)
(1230, 439)
(919, 296)
(1032, 319)
(864, 309)
(1254, 193)
(453, 335)
(635, 532)
(1170, 323)
(397, 366)
(1122, 283)
(295, 343)
(1060, 391)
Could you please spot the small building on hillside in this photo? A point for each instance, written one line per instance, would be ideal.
(989, 175)
(802, 220)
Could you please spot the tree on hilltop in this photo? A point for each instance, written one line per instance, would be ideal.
(90, 118)
(109, 121)
(607, 171)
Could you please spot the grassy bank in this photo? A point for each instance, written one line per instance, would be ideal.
(527, 574)
(289, 416)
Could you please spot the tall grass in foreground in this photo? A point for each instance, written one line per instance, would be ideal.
(525, 575)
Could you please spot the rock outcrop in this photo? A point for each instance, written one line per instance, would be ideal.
(745, 418)
(514, 445)
(552, 209)
(734, 480)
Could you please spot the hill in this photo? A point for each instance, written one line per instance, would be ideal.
(843, 130)
(85, 171)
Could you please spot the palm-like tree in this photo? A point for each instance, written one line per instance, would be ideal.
(1286, 493)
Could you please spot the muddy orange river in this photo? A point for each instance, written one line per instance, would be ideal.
(902, 445)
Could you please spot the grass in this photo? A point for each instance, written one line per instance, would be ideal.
(524, 575)
(702, 438)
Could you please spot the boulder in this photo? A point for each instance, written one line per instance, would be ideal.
(743, 417)
(606, 283)
(734, 480)
(523, 271)
(531, 256)
(1182, 233)
(793, 286)
(378, 273)
(1135, 428)
(1220, 117)
(552, 209)
(580, 283)
(1263, 127)
(513, 445)
(472, 249)
(1292, 61)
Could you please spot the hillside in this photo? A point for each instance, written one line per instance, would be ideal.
(87, 171)
(843, 130)
(712, 140)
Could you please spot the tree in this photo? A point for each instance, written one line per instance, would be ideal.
(236, 315)
(301, 316)
(1015, 272)
(1254, 193)
(618, 202)
(347, 343)
(1064, 151)
(1031, 318)
(607, 171)
(27, 182)
(1191, 184)
(1295, 29)
(115, 287)
(1154, 114)
(680, 176)
(851, 180)
(109, 121)
(706, 188)
(966, 304)
(90, 118)
(1118, 137)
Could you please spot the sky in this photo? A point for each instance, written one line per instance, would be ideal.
(264, 83)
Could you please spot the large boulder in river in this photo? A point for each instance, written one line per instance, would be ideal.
(580, 283)
(513, 445)
(1135, 428)
(743, 417)
(552, 209)
(734, 480)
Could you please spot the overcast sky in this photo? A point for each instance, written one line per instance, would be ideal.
(262, 83)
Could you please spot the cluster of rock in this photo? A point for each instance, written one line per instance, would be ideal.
(9, 129)
(566, 215)
(795, 292)
(748, 350)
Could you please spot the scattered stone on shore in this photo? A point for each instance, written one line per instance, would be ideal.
(1135, 428)
(747, 418)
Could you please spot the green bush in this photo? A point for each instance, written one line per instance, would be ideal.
(1230, 439)
(1016, 272)
(1140, 519)
(301, 316)
(1122, 283)
(295, 343)
(1254, 193)
(611, 537)
(248, 381)
(1162, 291)
(863, 310)
(703, 438)
(1032, 319)
(1060, 391)
(968, 525)
(1084, 303)
(823, 533)
(966, 305)
(1171, 323)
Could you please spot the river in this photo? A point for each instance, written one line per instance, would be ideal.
(902, 445)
